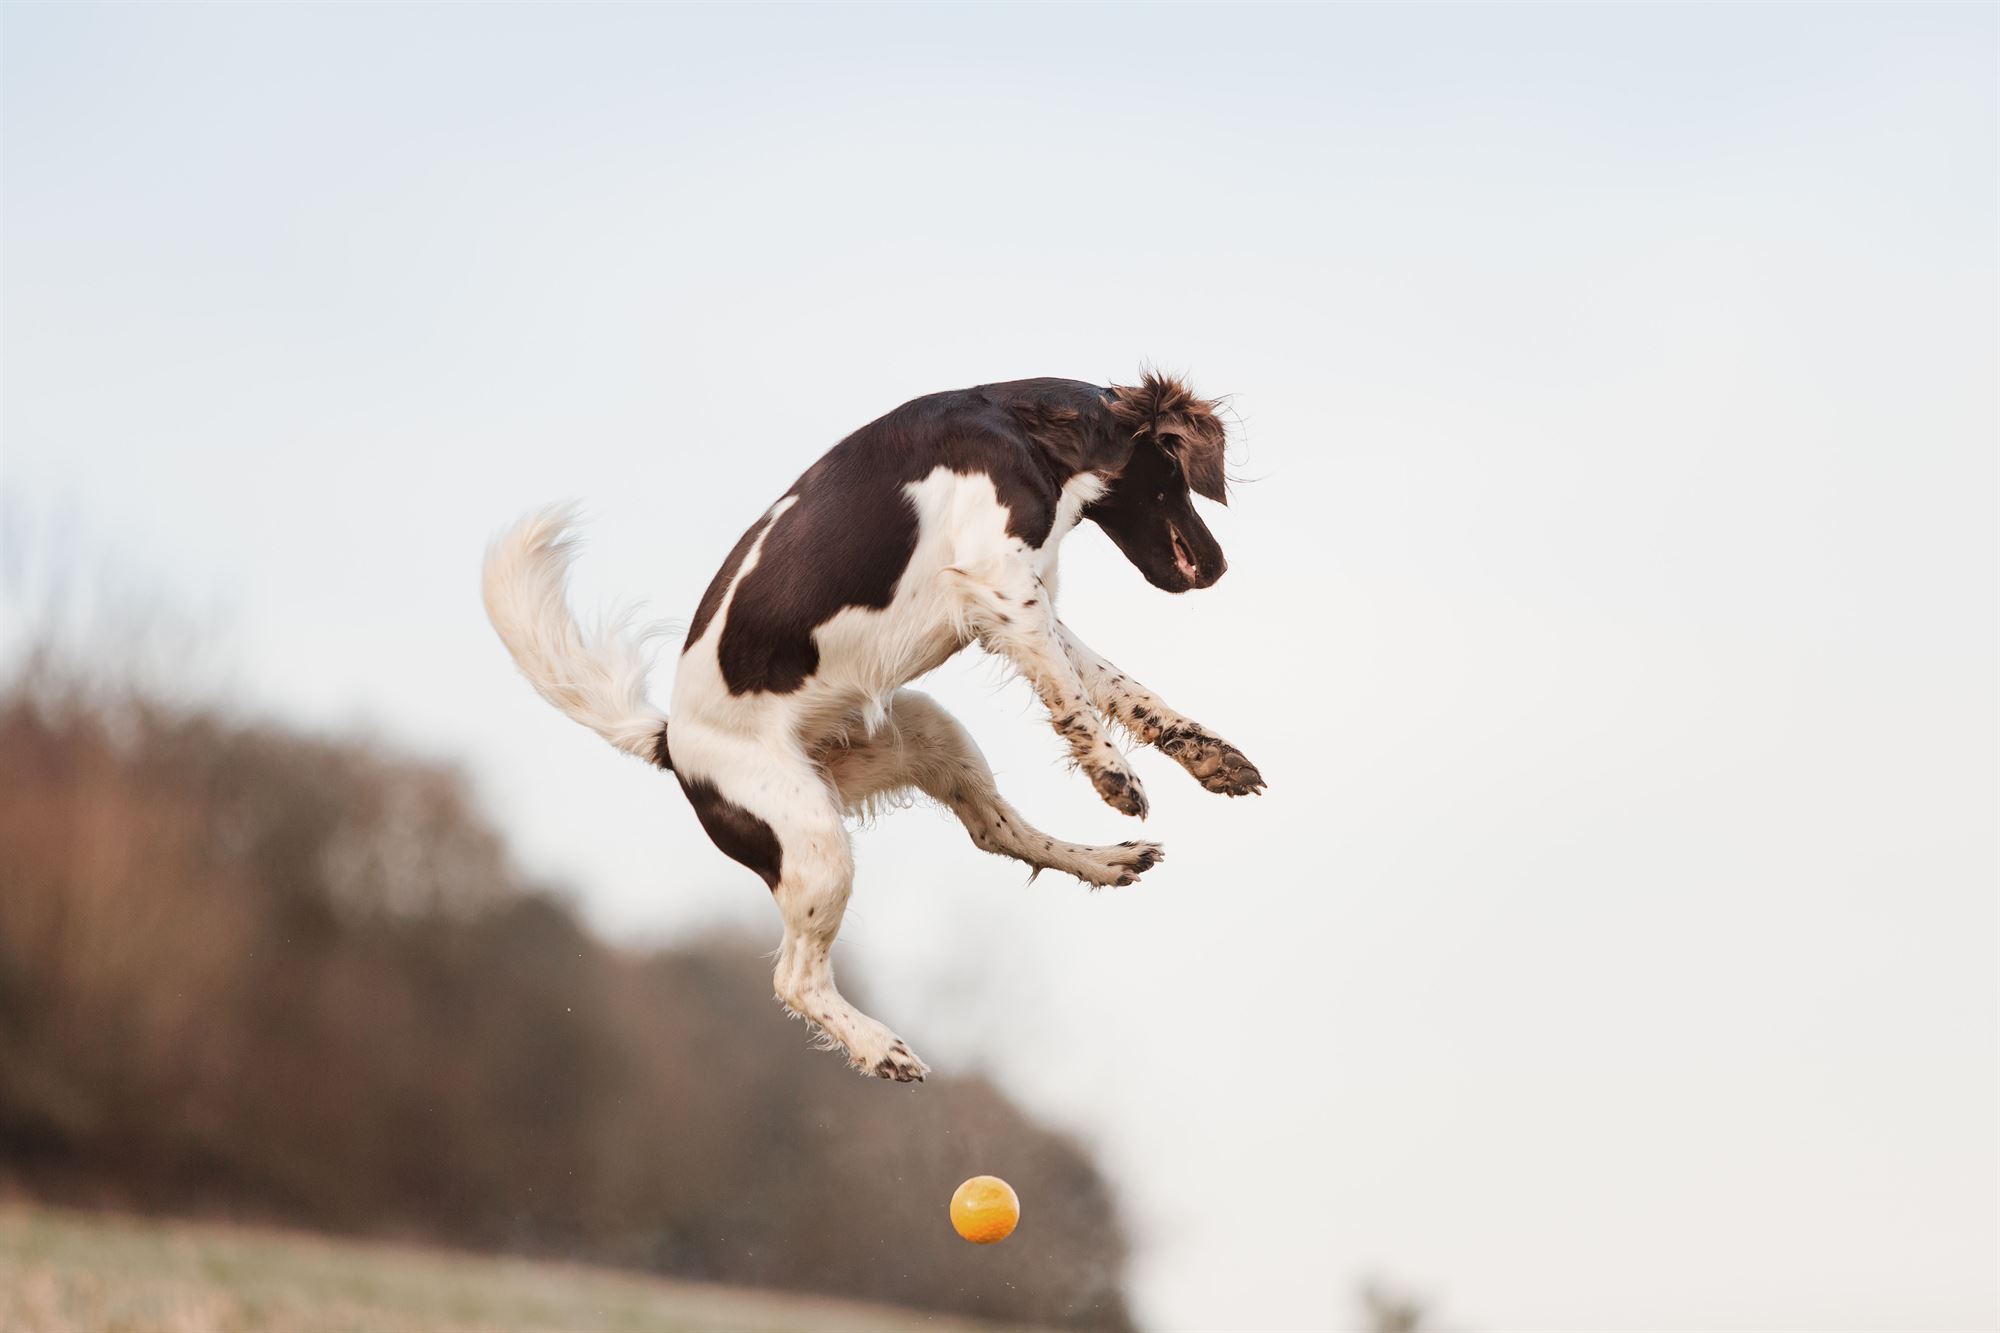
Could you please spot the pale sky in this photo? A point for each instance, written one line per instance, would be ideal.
(1612, 602)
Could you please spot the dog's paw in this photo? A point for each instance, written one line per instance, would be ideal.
(1119, 787)
(1111, 867)
(900, 1065)
(1211, 761)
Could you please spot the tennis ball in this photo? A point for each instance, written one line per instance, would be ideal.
(985, 1210)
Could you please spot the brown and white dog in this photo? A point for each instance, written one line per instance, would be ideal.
(930, 529)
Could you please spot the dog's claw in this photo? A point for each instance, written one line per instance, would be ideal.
(1112, 867)
(900, 1065)
(1120, 790)
(1212, 761)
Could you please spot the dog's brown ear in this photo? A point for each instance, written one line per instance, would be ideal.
(1166, 410)
(1201, 457)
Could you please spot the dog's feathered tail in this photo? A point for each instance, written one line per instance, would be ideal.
(596, 678)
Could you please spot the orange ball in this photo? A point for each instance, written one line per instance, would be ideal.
(985, 1210)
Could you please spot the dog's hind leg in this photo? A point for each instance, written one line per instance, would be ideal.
(773, 810)
(923, 747)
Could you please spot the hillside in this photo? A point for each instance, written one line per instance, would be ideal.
(64, 1272)
(251, 974)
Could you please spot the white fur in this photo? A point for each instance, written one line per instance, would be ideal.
(598, 679)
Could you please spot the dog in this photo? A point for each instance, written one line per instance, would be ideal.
(928, 530)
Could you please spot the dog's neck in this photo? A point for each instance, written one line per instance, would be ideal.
(1078, 493)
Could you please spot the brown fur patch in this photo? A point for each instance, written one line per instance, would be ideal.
(1164, 409)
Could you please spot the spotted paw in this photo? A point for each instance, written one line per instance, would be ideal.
(1120, 790)
(1112, 867)
(1211, 761)
(900, 1065)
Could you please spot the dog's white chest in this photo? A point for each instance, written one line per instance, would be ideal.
(1077, 494)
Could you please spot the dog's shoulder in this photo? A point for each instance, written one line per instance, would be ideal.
(1028, 436)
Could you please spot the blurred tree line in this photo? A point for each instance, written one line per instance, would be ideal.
(248, 972)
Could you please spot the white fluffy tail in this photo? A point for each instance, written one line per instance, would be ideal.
(598, 679)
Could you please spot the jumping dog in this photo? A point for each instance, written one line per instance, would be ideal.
(930, 529)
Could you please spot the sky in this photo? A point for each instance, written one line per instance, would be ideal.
(1614, 592)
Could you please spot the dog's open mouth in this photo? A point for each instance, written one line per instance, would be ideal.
(1183, 557)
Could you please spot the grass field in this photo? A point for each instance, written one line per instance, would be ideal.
(64, 1272)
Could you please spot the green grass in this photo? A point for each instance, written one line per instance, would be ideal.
(63, 1272)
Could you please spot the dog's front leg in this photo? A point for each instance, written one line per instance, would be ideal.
(1213, 761)
(1007, 608)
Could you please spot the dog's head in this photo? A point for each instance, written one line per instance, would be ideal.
(1177, 446)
